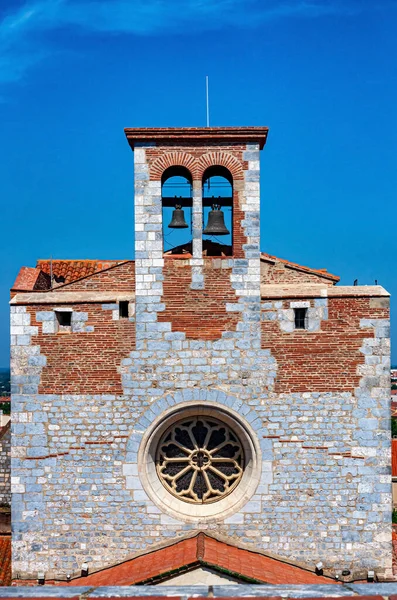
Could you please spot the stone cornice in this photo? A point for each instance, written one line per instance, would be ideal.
(186, 135)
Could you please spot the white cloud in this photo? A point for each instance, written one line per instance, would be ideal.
(22, 33)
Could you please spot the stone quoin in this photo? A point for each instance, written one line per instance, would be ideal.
(210, 388)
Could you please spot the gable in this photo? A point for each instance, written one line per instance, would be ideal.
(278, 270)
(209, 556)
(118, 277)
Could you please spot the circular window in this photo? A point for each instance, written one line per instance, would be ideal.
(200, 460)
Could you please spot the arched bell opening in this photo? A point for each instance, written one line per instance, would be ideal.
(176, 198)
(217, 212)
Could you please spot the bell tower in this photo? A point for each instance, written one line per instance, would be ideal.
(205, 242)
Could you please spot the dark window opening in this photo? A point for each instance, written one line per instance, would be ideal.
(123, 309)
(64, 318)
(176, 192)
(300, 318)
(217, 212)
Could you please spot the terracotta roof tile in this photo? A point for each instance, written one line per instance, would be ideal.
(362, 597)
(256, 566)
(394, 458)
(5, 560)
(238, 596)
(66, 271)
(319, 272)
(188, 554)
(26, 279)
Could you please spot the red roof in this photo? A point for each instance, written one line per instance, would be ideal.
(5, 560)
(26, 279)
(201, 550)
(291, 265)
(66, 271)
(394, 458)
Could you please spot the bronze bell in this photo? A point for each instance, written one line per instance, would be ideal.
(216, 222)
(178, 218)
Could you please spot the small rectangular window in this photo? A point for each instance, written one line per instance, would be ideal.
(64, 318)
(123, 309)
(300, 318)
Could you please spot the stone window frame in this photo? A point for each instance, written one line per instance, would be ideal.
(305, 317)
(200, 462)
(199, 513)
(59, 328)
(283, 311)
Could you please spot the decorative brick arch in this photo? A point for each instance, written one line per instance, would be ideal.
(171, 159)
(220, 158)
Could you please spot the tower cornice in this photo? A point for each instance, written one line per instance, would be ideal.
(186, 135)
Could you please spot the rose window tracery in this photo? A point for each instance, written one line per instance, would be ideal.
(200, 460)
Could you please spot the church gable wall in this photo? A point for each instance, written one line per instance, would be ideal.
(313, 443)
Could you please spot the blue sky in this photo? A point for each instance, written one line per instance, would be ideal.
(320, 73)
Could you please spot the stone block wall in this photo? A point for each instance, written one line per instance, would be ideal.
(5, 466)
(316, 402)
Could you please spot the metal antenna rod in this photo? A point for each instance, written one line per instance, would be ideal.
(207, 97)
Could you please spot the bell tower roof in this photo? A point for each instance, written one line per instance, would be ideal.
(218, 135)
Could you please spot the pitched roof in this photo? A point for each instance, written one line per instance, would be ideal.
(66, 271)
(206, 551)
(5, 560)
(26, 279)
(291, 265)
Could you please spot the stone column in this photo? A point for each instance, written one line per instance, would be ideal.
(197, 219)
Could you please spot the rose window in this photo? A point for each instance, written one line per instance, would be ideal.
(200, 460)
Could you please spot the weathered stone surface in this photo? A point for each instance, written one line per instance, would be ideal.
(324, 492)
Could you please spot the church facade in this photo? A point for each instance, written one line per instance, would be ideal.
(205, 389)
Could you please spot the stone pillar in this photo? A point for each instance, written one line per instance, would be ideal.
(197, 219)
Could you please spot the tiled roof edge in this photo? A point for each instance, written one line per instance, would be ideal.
(296, 267)
(63, 285)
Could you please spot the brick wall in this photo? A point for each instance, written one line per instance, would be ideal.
(278, 272)
(87, 360)
(325, 360)
(197, 159)
(200, 314)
